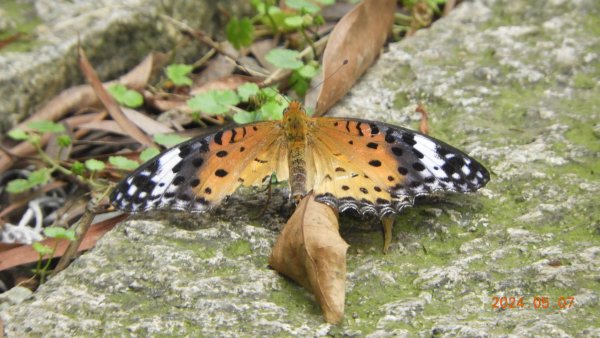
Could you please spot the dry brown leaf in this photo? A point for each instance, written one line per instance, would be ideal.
(138, 77)
(218, 67)
(358, 38)
(82, 96)
(260, 49)
(311, 251)
(231, 82)
(448, 7)
(149, 125)
(25, 254)
(109, 102)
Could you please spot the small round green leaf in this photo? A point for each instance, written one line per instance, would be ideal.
(299, 84)
(243, 117)
(272, 110)
(78, 168)
(149, 153)
(60, 233)
(18, 185)
(94, 165)
(169, 140)
(125, 97)
(240, 32)
(284, 58)
(295, 21)
(305, 5)
(64, 140)
(247, 89)
(46, 126)
(178, 74)
(123, 162)
(307, 71)
(40, 176)
(214, 102)
(41, 249)
(18, 134)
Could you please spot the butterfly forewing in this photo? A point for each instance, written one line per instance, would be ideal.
(198, 174)
(399, 162)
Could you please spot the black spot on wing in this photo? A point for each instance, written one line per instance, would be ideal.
(219, 138)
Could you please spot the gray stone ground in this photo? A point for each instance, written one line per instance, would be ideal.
(116, 35)
(514, 83)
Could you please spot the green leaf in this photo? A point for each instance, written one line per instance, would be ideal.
(272, 110)
(169, 140)
(60, 233)
(94, 165)
(243, 117)
(45, 126)
(64, 140)
(178, 74)
(78, 168)
(247, 89)
(299, 84)
(123, 162)
(227, 97)
(41, 249)
(18, 134)
(284, 58)
(240, 32)
(331, 2)
(126, 97)
(18, 185)
(34, 139)
(214, 102)
(37, 177)
(305, 5)
(40, 176)
(149, 153)
(307, 71)
(295, 21)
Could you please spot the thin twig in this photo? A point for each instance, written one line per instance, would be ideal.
(83, 224)
(449, 6)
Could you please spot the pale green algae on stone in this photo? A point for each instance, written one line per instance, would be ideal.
(514, 83)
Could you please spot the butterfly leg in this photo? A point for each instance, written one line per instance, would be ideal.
(388, 223)
(269, 190)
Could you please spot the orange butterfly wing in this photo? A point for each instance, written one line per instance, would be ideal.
(379, 168)
(198, 174)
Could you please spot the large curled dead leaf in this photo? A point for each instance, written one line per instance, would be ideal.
(109, 102)
(311, 251)
(357, 38)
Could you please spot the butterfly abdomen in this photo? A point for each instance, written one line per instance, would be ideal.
(295, 125)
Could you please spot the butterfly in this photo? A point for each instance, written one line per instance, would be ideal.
(371, 167)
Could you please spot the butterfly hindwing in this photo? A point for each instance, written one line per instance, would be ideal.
(400, 162)
(198, 174)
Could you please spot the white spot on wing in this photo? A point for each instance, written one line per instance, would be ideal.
(132, 189)
(165, 172)
(430, 157)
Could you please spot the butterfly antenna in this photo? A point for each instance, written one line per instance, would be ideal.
(345, 62)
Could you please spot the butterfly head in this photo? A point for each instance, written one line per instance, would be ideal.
(295, 121)
(294, 108)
